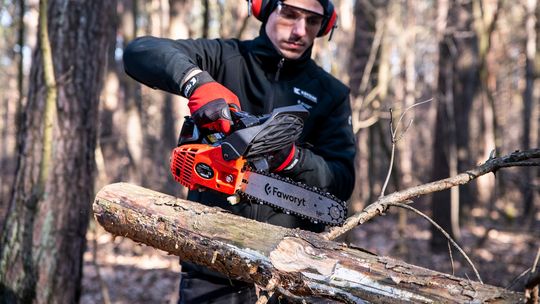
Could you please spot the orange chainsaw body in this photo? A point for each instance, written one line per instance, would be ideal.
(201, 165)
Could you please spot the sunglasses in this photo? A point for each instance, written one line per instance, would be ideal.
(291, 14)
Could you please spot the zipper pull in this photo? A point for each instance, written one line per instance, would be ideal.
(279, 66)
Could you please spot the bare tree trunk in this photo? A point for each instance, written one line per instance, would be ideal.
(363, 38)
(459, 66)
(233, 18)
(409, 100)
(20, 73)
(295, 262)
(364, 73)
(406, 142)
(486, 14)
(364, 30)
(441, 203)
(206, 19)
(4, 156)
(128, 122)
(536, 96)
(528, 104)
(465, 87)
(44, 237)
(174, 107)
(12, 96)
(158, 119)
(179, 18)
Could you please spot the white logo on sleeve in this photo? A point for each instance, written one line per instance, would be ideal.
(189, 86)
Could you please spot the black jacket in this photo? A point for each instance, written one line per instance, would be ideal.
(262, 80)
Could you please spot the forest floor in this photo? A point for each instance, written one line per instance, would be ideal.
(500, 248)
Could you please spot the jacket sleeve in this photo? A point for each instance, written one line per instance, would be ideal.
(162, 63)
(328, 161)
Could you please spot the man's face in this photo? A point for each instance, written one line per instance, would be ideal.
(293, 26)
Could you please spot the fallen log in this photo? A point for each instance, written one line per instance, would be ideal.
(299, 263)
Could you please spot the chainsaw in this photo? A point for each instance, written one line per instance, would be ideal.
(235, 164)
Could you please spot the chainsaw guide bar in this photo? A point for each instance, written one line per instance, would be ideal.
(293, 198)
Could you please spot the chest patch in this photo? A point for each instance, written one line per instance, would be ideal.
(305, 94)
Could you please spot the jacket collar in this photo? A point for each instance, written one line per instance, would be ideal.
(270, 57)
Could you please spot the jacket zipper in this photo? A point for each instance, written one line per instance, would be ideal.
(279, 66)
(269, 105)
(255, 210)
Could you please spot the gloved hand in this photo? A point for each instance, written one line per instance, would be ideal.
(284, 159)
(210, 102)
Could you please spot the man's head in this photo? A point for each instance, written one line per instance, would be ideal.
(293, 25)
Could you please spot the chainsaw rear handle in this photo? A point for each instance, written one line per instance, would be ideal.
(272, 132)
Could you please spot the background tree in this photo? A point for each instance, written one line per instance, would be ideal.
(458, 81)
(530, 108)
(44, 237)
(12, 75)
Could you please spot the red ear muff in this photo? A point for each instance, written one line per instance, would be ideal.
(261, 9)
(329, 25)
(256, 6)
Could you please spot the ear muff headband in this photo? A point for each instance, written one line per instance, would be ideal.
(261, 9)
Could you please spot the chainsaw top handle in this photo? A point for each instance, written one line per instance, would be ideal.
(251, 135)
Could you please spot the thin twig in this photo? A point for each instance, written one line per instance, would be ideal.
(392, 154)
(535, 264)
(470, 284)
(443, 232)
(521, 275)
(395, 138)
(405, 111)
(451, 258)
(531, 280)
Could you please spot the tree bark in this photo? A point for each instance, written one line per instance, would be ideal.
(43, 241)
(296, 262)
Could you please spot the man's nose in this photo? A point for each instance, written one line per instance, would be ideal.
(299, 27)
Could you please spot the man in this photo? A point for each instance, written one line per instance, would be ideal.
(271, 71)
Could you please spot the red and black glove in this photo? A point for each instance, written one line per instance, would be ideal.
(284, 159)
(210, 102)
